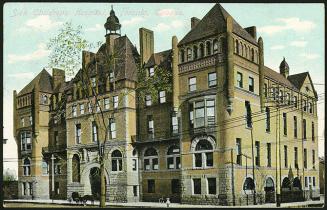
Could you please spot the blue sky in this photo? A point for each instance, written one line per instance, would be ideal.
(295, 31)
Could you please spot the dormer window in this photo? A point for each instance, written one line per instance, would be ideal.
(151, 71)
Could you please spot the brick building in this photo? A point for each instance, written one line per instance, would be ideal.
(192, 144)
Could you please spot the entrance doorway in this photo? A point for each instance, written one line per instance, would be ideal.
(269, 191)
(95, 182)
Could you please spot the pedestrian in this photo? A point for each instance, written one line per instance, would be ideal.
(168, 202)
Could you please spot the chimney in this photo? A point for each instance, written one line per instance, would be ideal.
(146, 44)
(194, 22)
(175, 73)
(86, 58)
(252, 30)
(58, 77)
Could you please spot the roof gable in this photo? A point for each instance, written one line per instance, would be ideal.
(43, 80)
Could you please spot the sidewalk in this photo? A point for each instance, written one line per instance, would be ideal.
(172, 205)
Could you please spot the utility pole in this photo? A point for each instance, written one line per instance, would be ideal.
(246, 174)
(233, 190)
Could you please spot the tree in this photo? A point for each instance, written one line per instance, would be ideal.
(66, 49)
(9, 175)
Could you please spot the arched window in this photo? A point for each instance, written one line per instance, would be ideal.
(252, 54)
(116, 161)
(237, 47)
(76, 168)
(222, 45)
(297, 184)
(189, 54)
(201, 53)
(203, 154)
(182, 56)
(256, 56)
(173, 158)
(208, 47)
(215, 46)
(195, 52)
(241, 49)
(245, 51)
(45, 167)
(286, 184)
(248, 184)
(27, 167)
(134, 160)
(44, 99)
(269, 187)
(151, 159)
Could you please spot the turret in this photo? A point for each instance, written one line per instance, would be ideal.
(112, 27)
(284, 69)
(230, 65)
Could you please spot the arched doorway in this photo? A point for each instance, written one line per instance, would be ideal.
(269, 191)
(95, 182)
(286, 195)
(297, 190)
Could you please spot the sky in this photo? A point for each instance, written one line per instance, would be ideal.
(293, 31)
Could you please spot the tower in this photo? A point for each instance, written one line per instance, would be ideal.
(112, 27)
(284, 69)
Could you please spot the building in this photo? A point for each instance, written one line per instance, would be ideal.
(227, 131)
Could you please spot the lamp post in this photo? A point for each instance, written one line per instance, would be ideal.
(52, 173)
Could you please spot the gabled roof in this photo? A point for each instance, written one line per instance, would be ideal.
(215, 22)
(298, 80)
(278, 78)
(43, 80)
(158, 58)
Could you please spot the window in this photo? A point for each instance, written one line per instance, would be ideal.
(94, 132)
(151, 159)
(252, 54)
(31, 120)
(196, 186)
(78, 133)
(134, 166)
(248, 114)
(192, 83)
(268, 154)
(281, 96)
(76, 168)
(306, 181)
(22, 121)
(90, 107)
(285, 123)
(26, 167)
(135, 190)
(182, 56)
(295, 127)
(248, 184)
(151, 71)
(162, 97)
(26, 141)
(74, 110)
(295, 101)
(305, 158)
(288, 98)
(203, 155)
(257, 155)
(191, 115)
(150, 126)
(44, 99)
(24, 188)
(212, 189)
(56, 138)
(30, 184)
(304, 105)
(215, 46)
(174, 122)
(175, 186)
(236, 47)
(266, 90)
(310, 107)
(173, 159)
(296, 164)
(212, 79)
(238, 151)
(57, 188)
(285, 157)
(313, 181)
(112, 128)
(45, 167)
(210, 112)
(251, 84)
(313, 131)
(106, 103)
(189, 54)
(97, 105)
(208, 47)
(81, 108)
(93, 82)
(239, 80)
(313, 159)
(148, 100)
(116, 161)
(57, 168)
(201, 50)
(115, 102)
(151, 186)
(274, 93)
(304, 129)
(195, 52)
(111, 76)
(267, 119)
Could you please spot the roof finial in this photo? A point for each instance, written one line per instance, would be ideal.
(112, 7)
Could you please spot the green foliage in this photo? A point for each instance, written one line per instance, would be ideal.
(160, 81)
(9, 175)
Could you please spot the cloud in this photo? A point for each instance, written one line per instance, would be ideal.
(22, 75)
(310, 56)
(293, 23)
(132, 21)
(173, 25)
(97, 27)
(37, 54)
(167, 13)
(298, 43)
(277, 47)
(40, 23)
